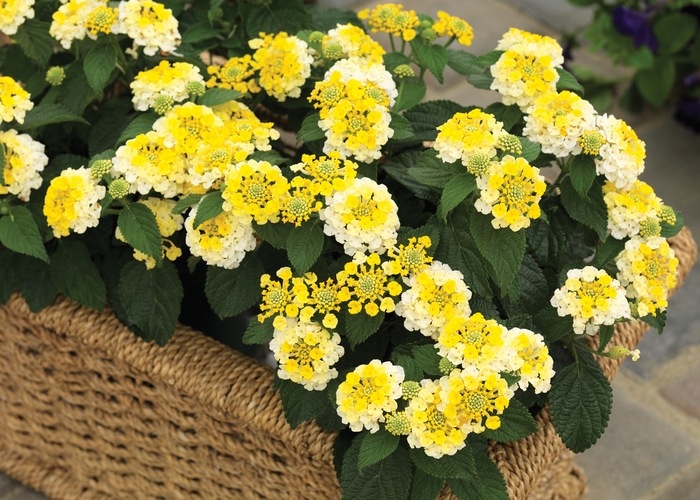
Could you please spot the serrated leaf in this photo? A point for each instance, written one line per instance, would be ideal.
(516, 423)
(232, 291)
(304, 245)
(411, 93)
(424, 486)
(606, 333)
(593, 213)
(199, 32)
(394, 59)
(98, 64)
(488, 483)
(434, 57)
(410, 367)
(299, 404)
(278, 15)
(530, 149)
(458, 466)
(502, 248)
(361, 326)
(551, 325)
(151, 299)
(19, 232)
(35, 283)
(608, 251)
(549, 238)
(427, 357)
(47, 114)
(583, 173)
(431, 177)
(398, 167)
(481, 80)
(9, 276)
(658, 321)
(36, 42)
(272, 157)
(401, 127)
(186, 202)
(567, 81)
(389, 479)
(427, 116)
(376, 447)
(455, 192)
(310, 131)
(275, 234)
(258, 333)
(581, 401)
(460, 61)
(488, 59)
(211, 206)
(139, 228)
(142, 124)
(534, 291)
(216, 96)
(74, 273)
(325, 19)
(508, 115)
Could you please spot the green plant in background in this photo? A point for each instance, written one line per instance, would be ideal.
(659, 40)
(422, 287)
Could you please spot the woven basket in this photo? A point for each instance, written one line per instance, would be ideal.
(89, 411)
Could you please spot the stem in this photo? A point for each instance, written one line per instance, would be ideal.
(422, 73)
(450, 41)
(391, 39)
(403, 45)
(110, 211)
(589, 349)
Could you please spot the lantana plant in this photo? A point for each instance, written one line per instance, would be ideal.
(425, 274)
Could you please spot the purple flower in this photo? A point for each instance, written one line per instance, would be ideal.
(637, 25)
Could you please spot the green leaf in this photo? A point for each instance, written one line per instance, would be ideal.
(304, 245)
(567, 81)
(211, 206)
(551, 325)
(376, 447)
(455, 192)
(411, 93)
(36, 42)
(186, 202)
(459, 250)
(74, 273)
(655, 84)
(425, 487)
(427, 116)
(139, 228)
(258, 333)
(460, 61)
(534, 291)
(549, 238)
(658, 321)
(593, 213)
(325, 19)
(19, 232)
(98, 65)
(35, 283)
(394, 59)
(608, 251)
(299, 404)
(9, 277)
(489, 59)
(216, 96)
(142, 124)
(427, 357)
(508, 115)
(674, 31)
(431, 177)
(275, 16)
(272, 157)
(232, 291)
(199, 32)
(275, 234)
(531, 150)
(75, 93)
(398, 167)
(410, 367)
(516, 423)
(581, 401)
(481, 80)
(401, 127)
(46, 114)
(668, 230)
(606, 333)
(642, 58)
(488, 484)
(583, 173)
(151, 299)
(361, 326)
(310, 131)
(502, 248)
(389, 479)
(434, 57)
(458, 466)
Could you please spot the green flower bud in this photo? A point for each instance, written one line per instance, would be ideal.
(666, 214)
(591, 142)
(333, 51)
(428, 34)
(55, 75)
(195, 89)
(446, 366)
(118, 188)
(397, 423)
(163, 104)
(619, 352)
(510, 144)
(404, 71)
(409, 390)
(478, 164)
(316, 37)
(100, 168)
(425, 24)
(649, 227)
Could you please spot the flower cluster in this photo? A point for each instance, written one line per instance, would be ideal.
(284, 64)
(391, 18)
(254, 191)
(236, 74)
(165, 80)
(455, 27)
(329, 173)
(149, 24)
(634, 211)
(348, 41)
(70, 21)
(592, 298)
(72, 202)
(622, 154)
(24, 159)
(469, 134)
(14, 13)
(14, 102)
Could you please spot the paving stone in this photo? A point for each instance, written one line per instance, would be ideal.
(7, 484)
(633, 456)
(684, 393)
(686, 488)
(559, 14)
(26, 494)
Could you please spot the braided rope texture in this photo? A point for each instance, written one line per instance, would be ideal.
(90, 412)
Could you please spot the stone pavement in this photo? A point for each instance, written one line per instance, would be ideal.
(651, 449)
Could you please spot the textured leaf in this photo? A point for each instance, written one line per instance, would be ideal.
(534, 291)
(455, 192)
(310, 131)
(232, 291)
(581, 401)
(489, 59)
(516, 423)
(275, 234)
(19, 232)
(98, 64)
(361, 326)
(583, 173)
(549, 238)
(531, 150)
(74, 273)
(299, 404)
(431, 176)
(658, 321)
(502, 248)
(608, 251)
(36, 42)
(186, 202)
(425, 486)
(401, 127)
(460, 465)
(139, 228)
(551, 325)
(35, 283)
(325, 19)
(398, 169)
(567, 81)
(258, 333)
(9, 277)
(216, 96)
(46, 114)
(411, 92)
(394, 59)
(460, 61)
(376, 447)
(412, 370)
(593, 213)
(278, 15)
(508, 115)
(427, 358)
(389, 479)
(606, 334)
(434, 57)
(151, 299)
(304, 245)
(142, 124)
(211, 206)
(488, 484)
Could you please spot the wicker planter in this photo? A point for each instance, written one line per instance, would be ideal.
(89, 411)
